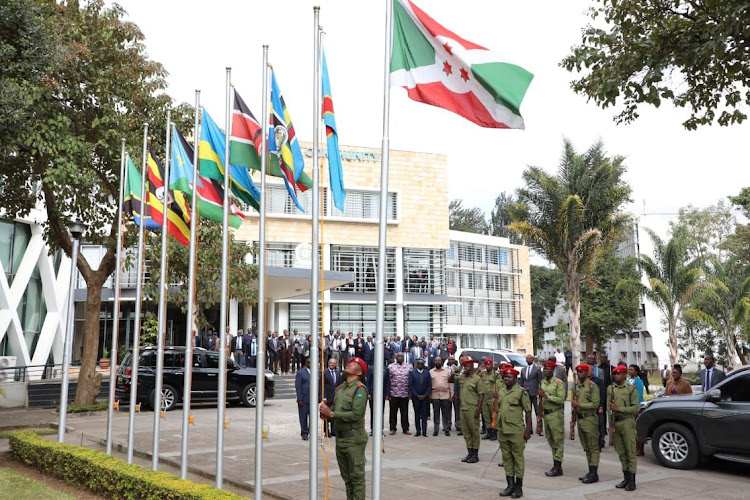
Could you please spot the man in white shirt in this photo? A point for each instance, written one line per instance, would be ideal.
(560, 358)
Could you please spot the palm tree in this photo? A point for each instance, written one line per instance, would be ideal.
(569, 217)
(725, 306)
(672, 282)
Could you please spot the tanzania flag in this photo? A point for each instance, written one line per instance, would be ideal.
(283, 143)
(178, 213)
(131, 203)
(245, 142)
(440, 68)
(210, 191)
(335, 169)
(211, 154)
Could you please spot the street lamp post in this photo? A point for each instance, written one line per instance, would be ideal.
(76, 231)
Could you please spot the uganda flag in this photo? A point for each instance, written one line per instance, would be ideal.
(178, 213)
(131, 202)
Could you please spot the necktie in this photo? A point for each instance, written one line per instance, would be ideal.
(708, 379)
(333, 377)
(528, 372)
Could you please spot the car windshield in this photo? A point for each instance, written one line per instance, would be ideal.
(517, 359)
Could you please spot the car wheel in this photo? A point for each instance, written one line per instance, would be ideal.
(249, 395)
(675, 446)
(168, 398)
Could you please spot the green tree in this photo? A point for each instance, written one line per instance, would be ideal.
(547, 289)
(242, 275)
(604, 309)
(673, 281)
(724, 307)
(470, 220)
(738, 243)
(704, 231)
(98, 87)
(643, 52)
(500, 218)
(571, 216)
(562, 333)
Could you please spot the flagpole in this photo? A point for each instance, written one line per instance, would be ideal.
(116, 314)
(187, 382)
(222, 396)
(162, 304)
(314, 273)
(138, 303)
(377, 431)
(260, 363)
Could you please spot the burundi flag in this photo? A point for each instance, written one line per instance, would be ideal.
(336, 171)
(178, 212)
(440, 68)
(211, 154)
(282, 142)
(131, 203)
(210, 191)
(245, 142)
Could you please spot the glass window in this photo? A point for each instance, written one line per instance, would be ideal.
(148, 359)
(366, 205)
(212, 360)
(363, 262)
(6, 245)
(737, 389)
(361, 318)
(423, 271)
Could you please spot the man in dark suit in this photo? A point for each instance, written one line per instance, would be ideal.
(332, 378)
(369, 352)
(605, 370)
(420, 387)
(531, 379)
(710, 376)
(370, 382)
(302, 386)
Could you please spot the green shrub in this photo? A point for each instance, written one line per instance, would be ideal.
(103, 474)
(100, 406)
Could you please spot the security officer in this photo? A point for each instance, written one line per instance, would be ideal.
(489, 377)
(348, 414)
(513, 429)
(472, 398)
(552, 394)
(622, 402)
(585, 404)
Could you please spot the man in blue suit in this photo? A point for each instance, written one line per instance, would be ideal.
(369, 352)
(302, 386)
(420, 387)
(370, 382)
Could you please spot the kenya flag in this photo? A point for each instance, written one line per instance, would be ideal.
(440, 68)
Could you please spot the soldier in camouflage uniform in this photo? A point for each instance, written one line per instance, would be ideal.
(552, 394)
(472, 398)
(514, 429)
(489, 377)
(348, 414)
(586, 405)
(622, 403)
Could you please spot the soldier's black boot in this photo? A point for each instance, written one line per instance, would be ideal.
(593, 476)
(585, 476)
(556, 469)
(468, 455)
(631, 482)
(474, 458)
(493, 437)
(511, 486)
(518, 489)
(488, 434)
(625, 480)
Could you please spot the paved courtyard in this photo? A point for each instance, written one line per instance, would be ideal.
(413, 467)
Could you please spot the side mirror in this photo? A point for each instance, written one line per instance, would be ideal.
(714, 395)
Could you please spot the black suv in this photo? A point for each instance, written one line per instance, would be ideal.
(205, 379)
(684, 429)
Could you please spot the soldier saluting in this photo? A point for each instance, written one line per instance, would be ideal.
(586, 406)
(622, 402)
(514, 429)
(552, 393)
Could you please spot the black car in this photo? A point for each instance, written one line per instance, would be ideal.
(685, 429)
(205, 378)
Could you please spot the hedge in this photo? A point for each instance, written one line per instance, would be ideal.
(103, 474)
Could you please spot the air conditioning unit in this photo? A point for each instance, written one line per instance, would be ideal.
(7, 365)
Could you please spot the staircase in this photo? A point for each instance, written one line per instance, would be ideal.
(46, 394)
(284, 387)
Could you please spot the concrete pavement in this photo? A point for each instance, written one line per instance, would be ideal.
(413, 467)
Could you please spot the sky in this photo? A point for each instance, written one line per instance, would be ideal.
(668, 167)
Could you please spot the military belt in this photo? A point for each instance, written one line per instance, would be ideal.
(351, 432)
(586, 414)
(620, 418)
(547, 412)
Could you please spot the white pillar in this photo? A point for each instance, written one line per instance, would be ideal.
(325, 314)
(282, 316)
(248, 316)
(233, 316)
(271, 316)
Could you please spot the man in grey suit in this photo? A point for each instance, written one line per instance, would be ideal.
(531, 379)
(710, 376)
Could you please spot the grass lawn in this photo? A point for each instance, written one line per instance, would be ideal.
(42, 431)
(18, 487)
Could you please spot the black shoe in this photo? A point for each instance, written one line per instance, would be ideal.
(631, 483)
(625, 480)
(493, 437)
(511, 486)
(474, 456)
(467, 456)
(593, 477)
(518, 490)
(459, 433)
(435, 433)
(447, 433)
(487, 435)
(417, 434)
(556, 469)
(424, 435)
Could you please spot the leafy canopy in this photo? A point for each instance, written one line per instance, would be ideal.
(470, 220)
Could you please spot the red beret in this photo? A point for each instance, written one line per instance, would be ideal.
(551, 364)
(510, 370)
(487, 361)
(467, 361)
(505, 365)
(360, 362)
(583, 367)
(619, 369)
